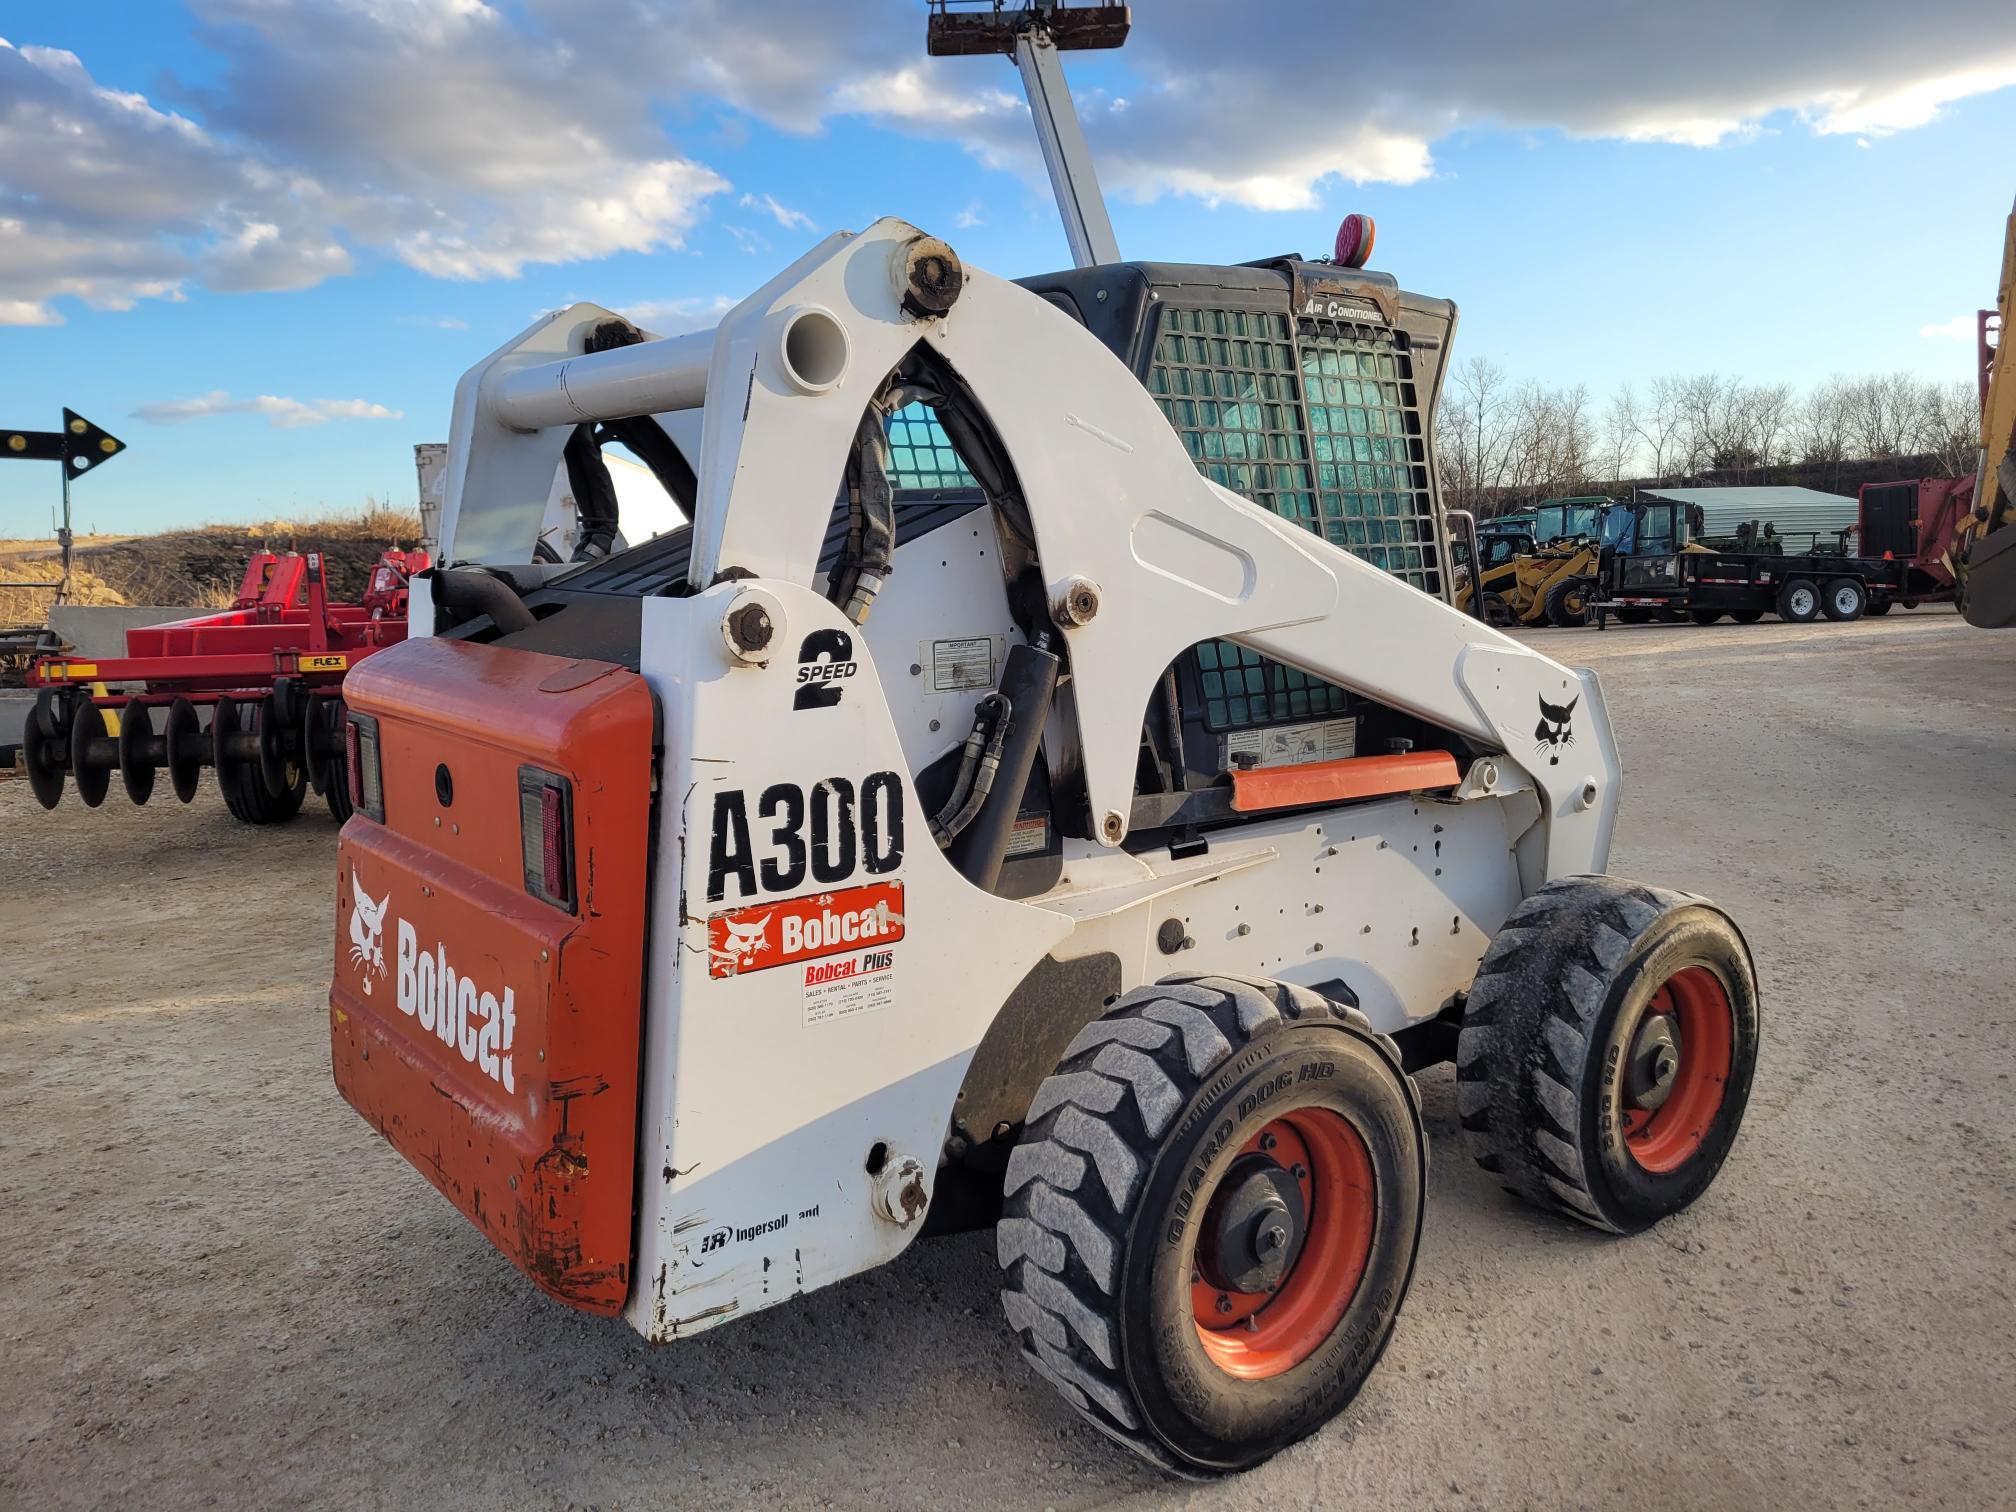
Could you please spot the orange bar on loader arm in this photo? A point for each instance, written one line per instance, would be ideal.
(487, 1030)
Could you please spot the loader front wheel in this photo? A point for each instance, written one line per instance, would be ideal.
(1210, 1223)
(1607, 1050)
(1568, 603)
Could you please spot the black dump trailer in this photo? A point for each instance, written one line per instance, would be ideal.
(1650, 570)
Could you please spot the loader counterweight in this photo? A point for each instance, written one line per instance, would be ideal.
(490, 1034)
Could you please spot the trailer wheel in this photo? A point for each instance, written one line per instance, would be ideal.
(1798, 602)
(1704, 616)
(1746, 616)
(1845, 599)
(1568, 603)
(1879, 606)
(1210, 1224)
(1607, 1049)
(1633, 614)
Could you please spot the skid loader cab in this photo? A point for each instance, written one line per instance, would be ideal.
(723, 913)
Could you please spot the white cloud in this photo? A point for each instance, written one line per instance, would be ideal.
(784, 215)
(973, 215)
(1959, 328)
(430, 130)
(471, 140)
(669, 317)
(281, 413)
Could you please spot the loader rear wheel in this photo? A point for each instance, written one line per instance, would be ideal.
(1607, 1050)
(1210, 1223)
(1496, 612)
(1568, 603)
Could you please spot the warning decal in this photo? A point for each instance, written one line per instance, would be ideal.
(803, 929)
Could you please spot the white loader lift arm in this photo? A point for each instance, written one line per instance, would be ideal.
(1116, 503)
(762, 1089)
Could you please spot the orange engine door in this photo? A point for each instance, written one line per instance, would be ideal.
(491, 1034)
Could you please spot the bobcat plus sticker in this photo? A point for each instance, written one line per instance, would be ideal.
(764, 935)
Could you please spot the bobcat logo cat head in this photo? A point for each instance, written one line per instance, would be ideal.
(1555, 729)
(367, 930)
(747, 939)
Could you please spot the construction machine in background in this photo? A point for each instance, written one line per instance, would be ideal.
(1986, 546)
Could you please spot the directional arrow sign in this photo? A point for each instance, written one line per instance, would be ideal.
(79, 446)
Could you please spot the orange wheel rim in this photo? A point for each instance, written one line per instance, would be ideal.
(1265, 1332)
(1701, 1026)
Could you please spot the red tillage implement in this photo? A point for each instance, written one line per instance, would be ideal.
(254, 691)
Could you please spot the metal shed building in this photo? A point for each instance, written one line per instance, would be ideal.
(1795, 511)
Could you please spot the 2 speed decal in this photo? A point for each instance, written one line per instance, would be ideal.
(825, 661)
(824, 834)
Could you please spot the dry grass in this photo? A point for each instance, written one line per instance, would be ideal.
(200, 568)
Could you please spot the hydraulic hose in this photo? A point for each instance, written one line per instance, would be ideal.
(477, 592)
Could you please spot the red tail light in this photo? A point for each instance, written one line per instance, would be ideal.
(360, 766)
(546, 835)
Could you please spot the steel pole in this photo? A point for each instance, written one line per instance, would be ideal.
(1072, 179)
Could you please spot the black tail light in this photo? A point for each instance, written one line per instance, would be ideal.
(360, 753)
(546, 835)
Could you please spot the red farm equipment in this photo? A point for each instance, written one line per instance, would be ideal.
(1913, 523)
(254, 691)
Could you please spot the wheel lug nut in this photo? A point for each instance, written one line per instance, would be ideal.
(1299, 1171)
(1268, 1141)
(1224, 1303)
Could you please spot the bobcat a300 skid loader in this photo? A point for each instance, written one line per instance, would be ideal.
(706, 938)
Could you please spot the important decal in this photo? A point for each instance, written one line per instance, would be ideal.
(825, 662)
(824, 834)
(766, 935)
(962, 665)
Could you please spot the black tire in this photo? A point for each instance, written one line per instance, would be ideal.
(245, 792)
(1746, 616)
(1798, 601)
(1545, 1063)
(1844, 599)
(1568, 603)
(1880, 606)
(1704, 616)
(1126, 1146)
(1495, 611)
(1633, 614)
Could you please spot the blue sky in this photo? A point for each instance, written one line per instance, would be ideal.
(1831, 221)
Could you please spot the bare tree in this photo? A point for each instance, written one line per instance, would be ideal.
(1660, 424)
(1949, 425)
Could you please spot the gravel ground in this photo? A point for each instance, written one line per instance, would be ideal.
(217, 1286)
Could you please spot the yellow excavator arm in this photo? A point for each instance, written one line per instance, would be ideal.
(1986, 545)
